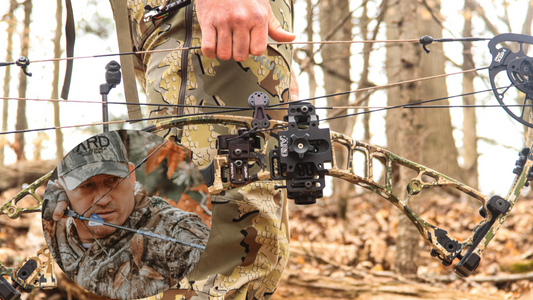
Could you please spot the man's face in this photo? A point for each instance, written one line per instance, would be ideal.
(115, 207)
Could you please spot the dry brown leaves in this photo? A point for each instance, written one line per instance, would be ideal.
(364, 244)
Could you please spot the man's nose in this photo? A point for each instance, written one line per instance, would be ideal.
(102, 195)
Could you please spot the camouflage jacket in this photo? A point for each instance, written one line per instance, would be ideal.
(151, 265)
(248, 248)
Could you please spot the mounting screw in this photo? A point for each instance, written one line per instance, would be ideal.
(300, 146)
(237, 152)
(308, 185)
(238, 163)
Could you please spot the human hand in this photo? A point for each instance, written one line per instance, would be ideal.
(237, 28)
(55, 202)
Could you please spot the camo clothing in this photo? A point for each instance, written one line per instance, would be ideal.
(249, 245)
(150, 264)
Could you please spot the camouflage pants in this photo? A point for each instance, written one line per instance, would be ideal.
(249, 242)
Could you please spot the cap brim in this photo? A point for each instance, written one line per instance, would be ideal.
(75, 177)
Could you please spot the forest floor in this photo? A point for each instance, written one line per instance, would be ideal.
(332, 258)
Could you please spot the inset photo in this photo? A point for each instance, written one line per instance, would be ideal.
(126, 214)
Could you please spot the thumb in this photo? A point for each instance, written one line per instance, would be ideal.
(276, 32)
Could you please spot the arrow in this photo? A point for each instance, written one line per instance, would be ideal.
(95, 220)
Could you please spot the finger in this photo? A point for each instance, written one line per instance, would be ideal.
(295, 90)
(60, 210)
(241, 44)
(276, 32)
(209, 41)
(258, 39)
(224, 41)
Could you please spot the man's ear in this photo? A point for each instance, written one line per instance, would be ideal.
(132, 175)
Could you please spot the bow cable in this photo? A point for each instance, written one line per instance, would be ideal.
(423, 40)
(240, 109)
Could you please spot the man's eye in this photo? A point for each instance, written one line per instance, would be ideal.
(112, 180)
(86, 185)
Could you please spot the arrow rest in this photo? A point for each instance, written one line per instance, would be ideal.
(238, 148)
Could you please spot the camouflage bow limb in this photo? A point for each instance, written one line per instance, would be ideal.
(11, 209)
(33, 271)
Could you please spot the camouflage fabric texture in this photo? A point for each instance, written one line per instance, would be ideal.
(150, 265)
(249, 245)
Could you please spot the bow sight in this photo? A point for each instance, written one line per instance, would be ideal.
(300, 158)
(303, 151)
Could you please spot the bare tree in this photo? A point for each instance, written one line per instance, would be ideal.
(55, 81)
(336, 67)
(470, 152)
(438, 148)
(11, 21)
(403, 127)
(21, 122)
(364, 82)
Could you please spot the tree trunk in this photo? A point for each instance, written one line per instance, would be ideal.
(470, 153)
(438, 145)
(403, 126)
(21, 122)
(12, 22)
(363, 81)
(336, 67)
(55, 81)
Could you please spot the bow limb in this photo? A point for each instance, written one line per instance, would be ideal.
(11, 209)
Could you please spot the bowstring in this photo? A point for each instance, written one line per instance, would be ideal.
(3, 64)
(225, 109)
(471, 39)
(114, 262)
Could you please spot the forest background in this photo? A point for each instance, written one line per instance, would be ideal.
(478, 146)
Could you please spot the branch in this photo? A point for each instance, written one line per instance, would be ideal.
(479, 10)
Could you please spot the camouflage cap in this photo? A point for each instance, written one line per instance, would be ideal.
(101, 154)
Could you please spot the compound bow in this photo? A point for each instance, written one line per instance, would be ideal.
(304, 157)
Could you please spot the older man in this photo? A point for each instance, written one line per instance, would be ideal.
(96, 178)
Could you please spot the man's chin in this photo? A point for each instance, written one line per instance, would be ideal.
(102, 232)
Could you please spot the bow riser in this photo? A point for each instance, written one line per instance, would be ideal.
(447, 247)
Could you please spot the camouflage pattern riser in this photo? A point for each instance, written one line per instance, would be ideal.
(417, 184)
